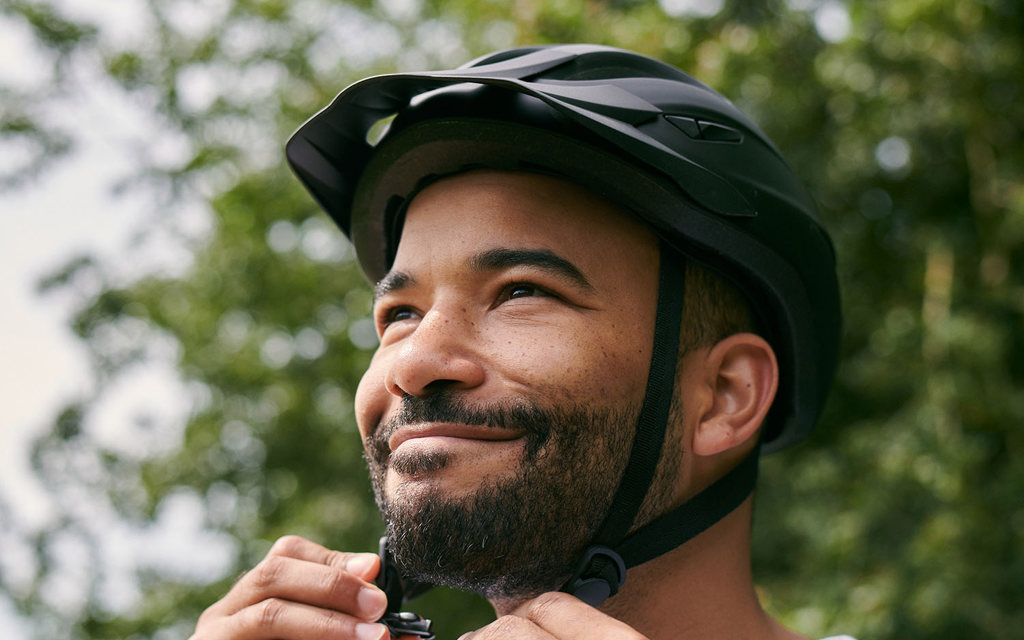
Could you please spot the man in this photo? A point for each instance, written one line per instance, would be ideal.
(600, 293)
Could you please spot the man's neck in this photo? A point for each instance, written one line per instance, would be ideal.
(702, 590)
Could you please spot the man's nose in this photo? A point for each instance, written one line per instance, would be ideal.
(437, 355)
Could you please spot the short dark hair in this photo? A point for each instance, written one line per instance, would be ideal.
(713, 309)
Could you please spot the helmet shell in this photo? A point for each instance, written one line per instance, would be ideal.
(634, 130)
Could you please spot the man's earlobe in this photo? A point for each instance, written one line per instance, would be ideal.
(744, 374)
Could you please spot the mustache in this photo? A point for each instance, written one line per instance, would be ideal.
(448, 406)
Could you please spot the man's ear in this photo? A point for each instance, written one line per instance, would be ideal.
(743, 373)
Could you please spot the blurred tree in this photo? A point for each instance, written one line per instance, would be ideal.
(32, 142)
(901, 518)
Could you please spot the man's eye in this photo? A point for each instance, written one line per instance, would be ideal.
(521, 291)
(396, 314)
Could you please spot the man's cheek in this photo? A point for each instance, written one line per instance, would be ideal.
(368, 403)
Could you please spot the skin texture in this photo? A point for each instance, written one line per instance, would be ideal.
(496, 334)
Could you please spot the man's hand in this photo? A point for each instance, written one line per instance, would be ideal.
(555, 615)
(300, 591)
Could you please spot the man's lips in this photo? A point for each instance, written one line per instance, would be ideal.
(451, 430)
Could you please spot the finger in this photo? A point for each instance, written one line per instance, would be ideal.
(311, 583)
(364, 565)
(310, 574)
(568, 618)
(283, 620)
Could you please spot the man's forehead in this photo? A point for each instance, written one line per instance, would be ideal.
(486, 220)
(514, 205)
(546, 187)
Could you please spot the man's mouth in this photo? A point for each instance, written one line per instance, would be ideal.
(438, 430)
(443, 424)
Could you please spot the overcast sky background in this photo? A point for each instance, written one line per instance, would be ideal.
(70, 210)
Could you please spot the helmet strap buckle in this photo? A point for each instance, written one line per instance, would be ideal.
(599, 575)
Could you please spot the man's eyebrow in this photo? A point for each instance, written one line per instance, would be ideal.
(544, 259)
(496, 260)
(392, 281)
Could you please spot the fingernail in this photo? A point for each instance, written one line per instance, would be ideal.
(360, 564)
(370, 631)
(372, 602)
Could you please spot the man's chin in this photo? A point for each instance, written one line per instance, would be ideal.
(507, 519)
(450, 551)
(442, 484)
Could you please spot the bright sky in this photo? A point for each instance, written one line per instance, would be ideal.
(70, 211)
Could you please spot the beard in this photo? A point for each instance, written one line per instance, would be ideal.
(523, 530)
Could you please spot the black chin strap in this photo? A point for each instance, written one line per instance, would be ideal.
(602, 570)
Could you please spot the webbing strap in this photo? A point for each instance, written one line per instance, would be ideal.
(594, 579)
(602, 571)
(694, 516)
(654, 413)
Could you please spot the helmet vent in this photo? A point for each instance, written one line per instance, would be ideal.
(378, 130)
(704, 130)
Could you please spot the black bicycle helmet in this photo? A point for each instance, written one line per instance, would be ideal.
(644, 135)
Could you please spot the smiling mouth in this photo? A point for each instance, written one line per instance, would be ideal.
(451, 430)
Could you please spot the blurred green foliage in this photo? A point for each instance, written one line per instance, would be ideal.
(901, 518)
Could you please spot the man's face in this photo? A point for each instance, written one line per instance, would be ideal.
(498, 412)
